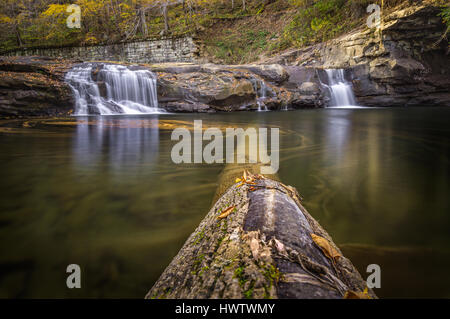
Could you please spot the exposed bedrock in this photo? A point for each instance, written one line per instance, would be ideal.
(31, 86)
(210, 88)
(258, 241)
(35, 86)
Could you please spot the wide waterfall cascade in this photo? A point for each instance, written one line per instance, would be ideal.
(115, 90)
(341, 90)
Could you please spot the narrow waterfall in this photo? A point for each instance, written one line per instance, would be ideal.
(262, 96)
(261, 90)
(340, 89)
(110, 89)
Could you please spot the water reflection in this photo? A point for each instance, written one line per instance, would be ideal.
(126, 144)
(337, 131)
(106, 195)
(369, 167)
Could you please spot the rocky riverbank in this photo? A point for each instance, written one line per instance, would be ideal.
(406, 64)
(211, 88)
(36, 86)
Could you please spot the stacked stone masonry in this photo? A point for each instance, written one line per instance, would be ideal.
(152, 51)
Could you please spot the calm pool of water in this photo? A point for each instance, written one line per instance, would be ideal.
(103, 193)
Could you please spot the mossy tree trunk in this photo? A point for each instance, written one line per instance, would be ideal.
(257, 241)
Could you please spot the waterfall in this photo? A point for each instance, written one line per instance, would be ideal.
(261, 90)
(262, 95)
(116, 89)
(340, 89)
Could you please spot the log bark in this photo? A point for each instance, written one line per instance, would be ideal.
(257, 242)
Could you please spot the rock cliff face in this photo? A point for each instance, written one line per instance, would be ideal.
(406, 64)
(31, 86)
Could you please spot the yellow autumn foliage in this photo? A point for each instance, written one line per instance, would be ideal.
(55, 10)
(5, 19)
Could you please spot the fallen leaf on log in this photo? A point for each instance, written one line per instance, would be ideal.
(350, 294)
(254, 247)
(279, 246)
(259, 250)
(248, 177)
(326, 247)
(227, 212)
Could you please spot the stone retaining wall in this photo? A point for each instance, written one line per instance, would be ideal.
(152, 51)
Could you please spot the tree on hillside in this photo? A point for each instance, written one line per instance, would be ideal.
(13, 14)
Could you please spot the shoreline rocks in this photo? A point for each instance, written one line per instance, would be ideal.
(211, 88)
(35, 86)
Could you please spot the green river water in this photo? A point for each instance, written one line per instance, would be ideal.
(104, 193)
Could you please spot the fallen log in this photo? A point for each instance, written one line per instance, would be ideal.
(258, 241)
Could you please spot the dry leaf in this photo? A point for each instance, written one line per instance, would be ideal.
(227, 212)
(254, 247)
(326, 247)
(280, 246)
(251, 177)
(350, 294)
(259, 250)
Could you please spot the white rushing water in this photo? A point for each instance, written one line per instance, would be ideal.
(117, 90)
(341, 90)
(262, 96)
(261, 90)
